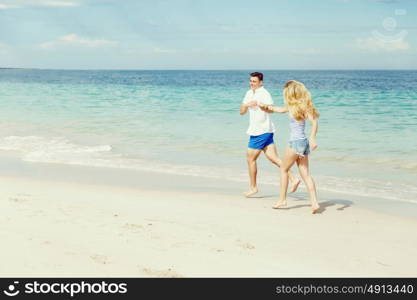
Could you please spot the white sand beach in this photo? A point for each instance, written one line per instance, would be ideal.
(129, 132)
(64, 228)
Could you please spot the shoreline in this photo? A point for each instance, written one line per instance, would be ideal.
(13, 166)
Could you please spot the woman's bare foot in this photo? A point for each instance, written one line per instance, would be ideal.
(279, 204)
(252, 191)
(315, 208)
(295, 185)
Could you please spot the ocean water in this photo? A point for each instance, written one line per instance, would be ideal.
(188, 122)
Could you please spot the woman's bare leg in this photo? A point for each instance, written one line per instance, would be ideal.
(289, 160)
(303, 168)
(272, 154)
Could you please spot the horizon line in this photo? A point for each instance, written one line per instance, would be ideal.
(260, 69)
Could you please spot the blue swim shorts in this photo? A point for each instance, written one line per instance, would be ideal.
(261, 141)
(301, 147)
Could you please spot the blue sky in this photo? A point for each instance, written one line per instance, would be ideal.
(202, 34)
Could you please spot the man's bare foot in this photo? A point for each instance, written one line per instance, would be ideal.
(315, 208)
(295, 185)
(252, 191)
(279, 204)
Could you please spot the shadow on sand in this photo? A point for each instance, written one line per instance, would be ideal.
(341, 204)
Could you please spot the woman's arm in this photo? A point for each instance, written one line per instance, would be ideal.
(277, 109)
(272, 109)
(314, 129)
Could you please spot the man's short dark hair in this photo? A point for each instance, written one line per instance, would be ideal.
(257, 74)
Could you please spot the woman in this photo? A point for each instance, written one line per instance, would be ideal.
(300, 107)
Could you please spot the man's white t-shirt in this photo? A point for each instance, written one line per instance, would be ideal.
(259, 121)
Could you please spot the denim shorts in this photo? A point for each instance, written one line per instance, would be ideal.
(301, 147)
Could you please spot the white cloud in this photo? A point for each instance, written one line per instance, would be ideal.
(164, 51)
(75, 40)
(7, 6)
(59, 3)
(10, 4)
(374, 45)
(386, 1)
(381, 1)
(4, 49)
(308, 51)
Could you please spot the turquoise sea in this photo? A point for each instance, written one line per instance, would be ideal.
(188, 122)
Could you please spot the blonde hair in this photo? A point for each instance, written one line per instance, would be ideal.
(298, 101)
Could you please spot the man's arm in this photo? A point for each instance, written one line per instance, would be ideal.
(266, 102)
(314, 129)
(244, 107)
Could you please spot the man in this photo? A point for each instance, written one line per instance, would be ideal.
(261, 131)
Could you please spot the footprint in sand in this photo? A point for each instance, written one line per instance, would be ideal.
(133, 227)
(244, 245)
(161, 273)
(217, 250)
(37, 213)
(100, 259)
(21, 197)
(382, 264)
(18, 200)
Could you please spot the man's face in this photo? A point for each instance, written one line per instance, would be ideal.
(255, 83)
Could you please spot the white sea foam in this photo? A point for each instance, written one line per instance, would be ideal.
(61, 150)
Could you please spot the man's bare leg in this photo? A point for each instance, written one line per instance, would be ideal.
(272, 154)
(252, 156)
